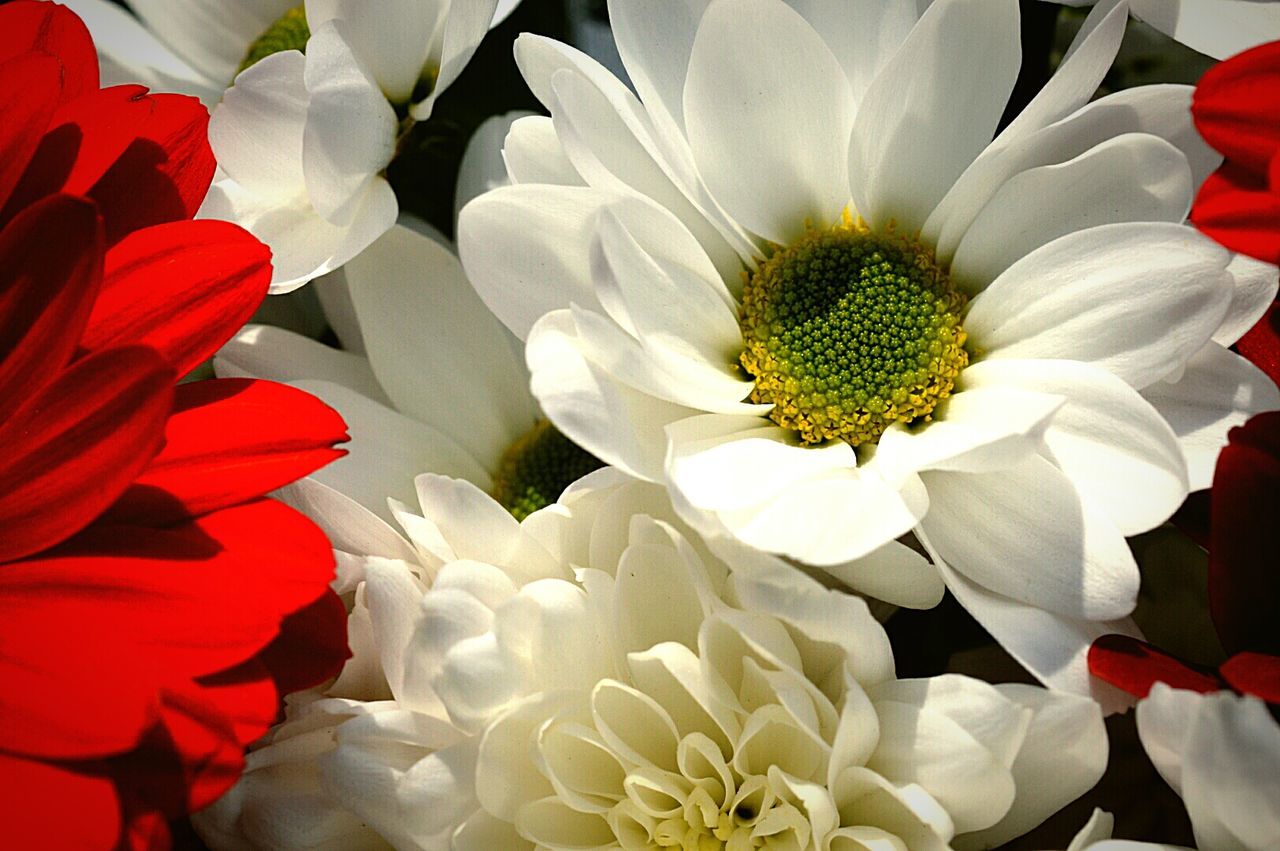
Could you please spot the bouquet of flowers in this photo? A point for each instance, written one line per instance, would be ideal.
(810, 425)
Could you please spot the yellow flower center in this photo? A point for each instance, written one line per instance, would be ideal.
(847, 332)
(537, 468)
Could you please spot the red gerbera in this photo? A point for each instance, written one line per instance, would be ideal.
(1237, 110)
(155, 605)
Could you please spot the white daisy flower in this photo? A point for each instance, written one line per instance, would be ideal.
(595, 677)
(301, 140)
(798, 282)
(1219, 28)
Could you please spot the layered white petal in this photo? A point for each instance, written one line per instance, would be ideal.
(1217, 391)
(932, 109)
(394, 42)
(212, 35)
(1255, 290)
(265, 351)
(1220, 28)
(775, 162)
(1136, 299)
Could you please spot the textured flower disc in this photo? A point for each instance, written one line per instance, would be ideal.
(289, 32)
(537, 468)
(847, 332)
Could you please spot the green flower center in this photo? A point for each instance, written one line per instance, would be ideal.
(289, 32)
(847, 332)
(537, 468)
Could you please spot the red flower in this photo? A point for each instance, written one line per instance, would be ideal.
(1244, 585)
(155, 605)
(1236, 108)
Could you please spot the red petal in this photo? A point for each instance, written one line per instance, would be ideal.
(1261, 345)
(29, 25)
(164, 174)
(183, 288)
(228, 441)
(189, 759)
(1136, 666)
(1244, 585)
(29, 87)
(1239, 212)
(50, 272)
(43, 805)
(198, 599)
(1234, 106)
(83, 140)
(312, 646)
(1254, 673)
(73, 448)
(144, 158)
(74, 686)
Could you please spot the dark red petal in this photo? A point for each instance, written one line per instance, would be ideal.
(1239, 213)
(48, 27)
(228, 441)
(1254, 673)
(1136, 666)
(29, 87)
(186, 762)
(72, 448)
(84, 139)
(165, 172)
(1261, 344)
(312, 646)
(1192, 518)
(183, 288)
(199, 598)
(1244, 585)
(50, 272)
(72, 684)
(1234, 106)
(45, 805)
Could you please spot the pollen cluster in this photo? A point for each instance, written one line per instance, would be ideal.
(536, 469)
(847, 332)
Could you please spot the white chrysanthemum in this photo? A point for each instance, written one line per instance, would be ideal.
(594, 677)
(1219, 28)
(301, 141)
(797, 282)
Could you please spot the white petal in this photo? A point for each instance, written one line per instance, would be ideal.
(1131, 178)
(655, 40)
(256, 131)
(1062, 756)
(335, 300)
(348, 525)
(1162, 111)
(506, 775)
(1218, 390)
(350, 133)
(1165, 719)
(977, 430)
(734, 462)
(617, 424)
(1116, 449)
(303, 244)
(393, 42)
(128, 52)
(533, 154)
(863, 37)
(894, 573)
(1220, 28)
(394, 596)
(831, 518)
(1052, 647)
(264, 351)
(464, 28)
(386, 451)
(1078, 75)
(1034, 540)
(1136, 299)
(921, 746)
(775, 161)
(213, 35)
(932, 109)
(1255, 289)
(482, 166)
(439, 353)
(907, 811)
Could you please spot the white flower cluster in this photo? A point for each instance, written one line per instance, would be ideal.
(792, 323)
